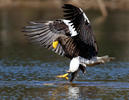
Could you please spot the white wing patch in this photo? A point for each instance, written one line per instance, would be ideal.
(74, 64)
(86, 18)
(71, 29)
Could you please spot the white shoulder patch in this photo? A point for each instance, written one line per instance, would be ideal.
(86, 18)
(71, 29)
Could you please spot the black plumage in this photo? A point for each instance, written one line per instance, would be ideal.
(82, 44)
(85, 37)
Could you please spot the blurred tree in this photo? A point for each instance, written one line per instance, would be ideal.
(102, 7)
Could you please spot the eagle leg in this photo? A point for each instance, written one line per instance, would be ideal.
(63, 76)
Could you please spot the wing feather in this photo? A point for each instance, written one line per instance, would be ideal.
(46, 32)
(74, 34)
(82, 25)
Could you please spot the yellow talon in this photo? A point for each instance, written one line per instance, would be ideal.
(63, 76)
(54, 44)
(66, 78)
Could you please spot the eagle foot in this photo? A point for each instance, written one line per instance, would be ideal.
(63, 76)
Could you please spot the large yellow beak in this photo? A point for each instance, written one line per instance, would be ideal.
(55, 44)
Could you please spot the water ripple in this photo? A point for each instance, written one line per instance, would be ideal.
(47, 71)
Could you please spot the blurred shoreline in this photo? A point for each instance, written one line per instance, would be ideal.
(51, 4)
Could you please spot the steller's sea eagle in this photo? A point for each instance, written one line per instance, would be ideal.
(71, 37)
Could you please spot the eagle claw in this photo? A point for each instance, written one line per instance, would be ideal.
(63, 76)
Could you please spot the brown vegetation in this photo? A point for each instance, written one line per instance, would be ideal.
(93, 4)
(102, 5)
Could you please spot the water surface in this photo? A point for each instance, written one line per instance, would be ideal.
(28, 72)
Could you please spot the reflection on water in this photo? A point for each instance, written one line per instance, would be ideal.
(39, 90)
(28, 72)
(73, 93)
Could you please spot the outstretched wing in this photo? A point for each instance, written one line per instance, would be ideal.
(81, 23)
(46, 32)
